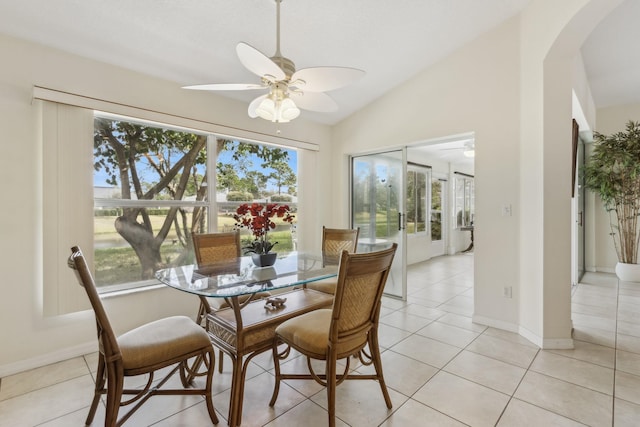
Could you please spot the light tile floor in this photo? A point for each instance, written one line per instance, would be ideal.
(441, 370)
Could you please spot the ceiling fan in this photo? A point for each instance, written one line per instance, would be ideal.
(289, 90)
(468, 149)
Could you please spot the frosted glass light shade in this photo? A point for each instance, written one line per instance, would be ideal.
(281, 111)
(266, 109)
(288, 110)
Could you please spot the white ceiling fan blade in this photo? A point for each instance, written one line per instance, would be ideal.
(323, 79)
(258, 63)
(254, 104)
(314, 101)
(226, 86)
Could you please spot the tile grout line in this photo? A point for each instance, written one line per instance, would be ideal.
(515, 390)
(615, 358)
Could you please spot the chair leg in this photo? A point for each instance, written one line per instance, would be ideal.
(200, 320)
(377, 363)
(99, 389)
(331, 370)
(208, 393)
(276, 365)
(115, 385)
(188, 373)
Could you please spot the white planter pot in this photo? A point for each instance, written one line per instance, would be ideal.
(628, 272)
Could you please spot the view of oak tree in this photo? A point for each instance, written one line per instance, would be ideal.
(151, 163)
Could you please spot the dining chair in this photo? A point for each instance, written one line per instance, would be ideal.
(211, 248)
(168, 342)
(334, 241)
(341, 331)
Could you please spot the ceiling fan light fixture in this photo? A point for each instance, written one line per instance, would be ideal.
(278, 108)
(288, 109)
(278, 74)
(266, 109)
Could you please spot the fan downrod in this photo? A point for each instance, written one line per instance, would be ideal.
(285, 64)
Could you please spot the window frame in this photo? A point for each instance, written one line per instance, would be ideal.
(99, 202)
(464, 202)
(415, 169)
(211, 202)
(443, 182)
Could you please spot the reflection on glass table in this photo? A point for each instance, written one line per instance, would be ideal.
(241, 277)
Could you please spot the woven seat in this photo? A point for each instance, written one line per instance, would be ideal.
(342, 331)
(334, 241)
(213, 248)
(167, 342)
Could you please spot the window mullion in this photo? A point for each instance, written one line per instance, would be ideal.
(212, 198)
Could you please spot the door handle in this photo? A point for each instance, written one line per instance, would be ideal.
(400, 221)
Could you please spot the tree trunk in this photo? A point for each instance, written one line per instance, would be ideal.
(146, 246)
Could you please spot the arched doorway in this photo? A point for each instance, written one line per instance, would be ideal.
(545, 231)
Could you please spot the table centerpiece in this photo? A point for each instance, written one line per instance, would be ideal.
(258, 219)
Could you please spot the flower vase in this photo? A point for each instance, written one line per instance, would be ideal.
(264, 260)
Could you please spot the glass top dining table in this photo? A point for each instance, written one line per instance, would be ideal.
(247, 327)
(240, 276)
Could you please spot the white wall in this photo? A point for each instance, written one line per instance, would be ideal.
(583, 107)
(28, 338)
(551, 39)
(513, 88)
(476, 89)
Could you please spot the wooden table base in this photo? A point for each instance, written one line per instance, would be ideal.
(249, 331)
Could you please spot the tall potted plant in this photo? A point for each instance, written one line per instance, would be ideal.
(613, 172)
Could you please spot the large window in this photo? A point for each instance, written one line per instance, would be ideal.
(153, 189)
(465, 200)
(417, 198)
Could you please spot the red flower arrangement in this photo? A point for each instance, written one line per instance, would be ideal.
(258, 218)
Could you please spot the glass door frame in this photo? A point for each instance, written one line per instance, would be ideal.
(399, 268)
(578, 212)
(441, 245)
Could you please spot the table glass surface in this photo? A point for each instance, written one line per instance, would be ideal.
(242, 277)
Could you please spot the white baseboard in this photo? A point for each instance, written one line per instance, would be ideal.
(547, 343)
(557, 344)
(499, 324)
(47, 359)
(535, 339)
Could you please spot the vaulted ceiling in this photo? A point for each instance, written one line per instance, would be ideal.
(193, 42)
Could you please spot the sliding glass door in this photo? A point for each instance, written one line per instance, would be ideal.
(377, 208)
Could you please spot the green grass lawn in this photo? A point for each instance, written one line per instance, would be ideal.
(120, 264)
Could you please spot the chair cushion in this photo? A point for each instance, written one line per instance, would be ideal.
(328, 285)
(309, 333)
(160, 341)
